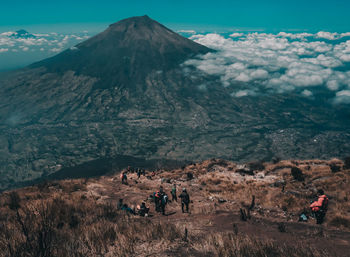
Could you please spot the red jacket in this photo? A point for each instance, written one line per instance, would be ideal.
(320, 204)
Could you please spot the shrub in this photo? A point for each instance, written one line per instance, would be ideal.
(347, 163)
(297, 174)
(256, 165)
(15, 200)
(334, 168)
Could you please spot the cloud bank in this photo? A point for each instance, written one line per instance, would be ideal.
(22, 48)
(279, 63)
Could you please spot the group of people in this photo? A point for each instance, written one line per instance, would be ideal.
(318, 207)
(124, 176)
(161, 199)
(141, 210)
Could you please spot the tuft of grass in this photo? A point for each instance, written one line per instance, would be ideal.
(340, 221)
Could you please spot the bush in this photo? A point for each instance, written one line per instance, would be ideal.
(334, 168)
(15, 200)
(297, 174)
(256, 165)
(347, 163)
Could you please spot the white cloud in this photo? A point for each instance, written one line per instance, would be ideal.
(189, 31)
(280, 63)
(333, 85)
(327, 35)
(306, 93)
(2, 50)
(49, 42)
(56, 50)
(245, 92)
(259, 74)
(202, 87)
(8, 33)
(295, 36)
(346, 34)
(342, 97)
(236, 34)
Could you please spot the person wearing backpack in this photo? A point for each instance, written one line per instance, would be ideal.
(163, 200)
(124, 178)
(185, 199)
(173, 193)
(156, 197)
(320, 206)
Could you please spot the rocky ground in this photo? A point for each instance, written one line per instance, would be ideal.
(219, 191)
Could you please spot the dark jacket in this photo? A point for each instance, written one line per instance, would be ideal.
(185, 197)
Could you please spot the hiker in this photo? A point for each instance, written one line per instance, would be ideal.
(319, 207)
(162, 200)
(120, 204)
(173, 193)
(124, 178)
(143, 172)
(185, 200)
(156, 196)
(143, 210)
(138, 173)
(127, 209)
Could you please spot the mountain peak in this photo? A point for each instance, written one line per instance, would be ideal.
(128, 50)
(136, 19)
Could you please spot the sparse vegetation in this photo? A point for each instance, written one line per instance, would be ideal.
(79, 217)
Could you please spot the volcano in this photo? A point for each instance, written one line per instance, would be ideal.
(126, 52)
(126, 92)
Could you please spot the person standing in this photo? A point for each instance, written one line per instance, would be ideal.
(173, 193)
(185, 200)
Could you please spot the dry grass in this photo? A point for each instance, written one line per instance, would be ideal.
(66, 219)
(233, 245)
(76, 226)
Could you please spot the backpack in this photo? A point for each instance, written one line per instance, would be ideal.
(324, 202)
(165, 199)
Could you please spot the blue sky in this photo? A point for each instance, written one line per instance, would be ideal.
(310, 15)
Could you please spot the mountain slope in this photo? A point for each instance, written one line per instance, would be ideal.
(125, 92)
(126, 52)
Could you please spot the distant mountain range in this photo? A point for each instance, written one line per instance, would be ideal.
(125, 92)
(22, 34)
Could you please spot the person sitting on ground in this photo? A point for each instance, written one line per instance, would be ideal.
(120, 204)
(185, 199)
(127, 209)
(143, 210)
(173, 193)
(319, 207)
